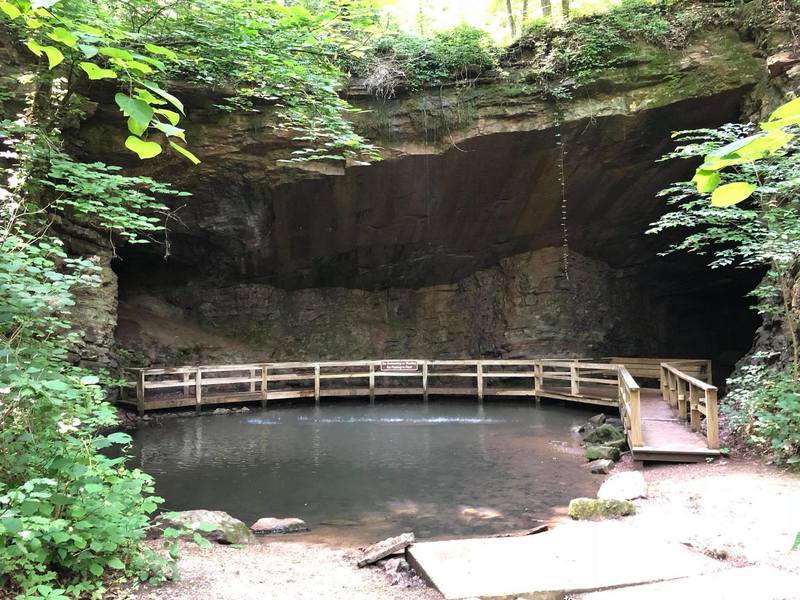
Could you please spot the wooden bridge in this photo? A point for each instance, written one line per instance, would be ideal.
(675, 421)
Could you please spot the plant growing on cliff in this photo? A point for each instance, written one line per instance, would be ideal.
(742, 208)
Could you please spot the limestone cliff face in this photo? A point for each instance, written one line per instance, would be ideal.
(452, 245)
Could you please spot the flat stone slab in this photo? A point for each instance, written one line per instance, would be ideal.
(385, 548)
(747, 583)
(573, 557)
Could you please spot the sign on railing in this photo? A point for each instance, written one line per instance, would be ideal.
(399, 365)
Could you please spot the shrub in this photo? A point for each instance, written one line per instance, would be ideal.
(763, 408)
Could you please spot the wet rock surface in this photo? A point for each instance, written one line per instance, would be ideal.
(272, 525)
(226, 529)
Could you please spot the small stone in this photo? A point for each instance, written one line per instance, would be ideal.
(220, 411)
(227, 529)
(598, 420)
(794, 72)
(603, 434)
(396, 565)
(781, 62)
(592, 509)
(271, 525)
(602, 452)
(601, 466)
(244, 409)
(628, 485)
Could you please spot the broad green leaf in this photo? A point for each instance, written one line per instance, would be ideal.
(138, 65)
(763, 145)
(12, 525)
(54, 56)
(780, 123)
(790, 110)
(732, 193)
(166, 95)
(96, 569)
(11, 11)
(96, 32)
(706, 181)
(56, 384)
(171, 130)
(139, 111)
(95, 72)
(115, 563)
(185, 152)
(151, 99)
(143, 148)
(171, 115)
(90, 380)
(115, 53)
(715, 164)
(206, 527)
(160, 50)
(32, 23)
(35, 47)
(64, 36)
(88, 51)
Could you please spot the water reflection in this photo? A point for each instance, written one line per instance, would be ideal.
(445, 469)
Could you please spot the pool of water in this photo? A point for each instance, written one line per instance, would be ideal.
(360, 471)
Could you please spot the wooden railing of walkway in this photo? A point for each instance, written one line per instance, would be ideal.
(600, 383)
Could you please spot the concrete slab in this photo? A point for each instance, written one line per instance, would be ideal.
(573, 557)
(747, 583)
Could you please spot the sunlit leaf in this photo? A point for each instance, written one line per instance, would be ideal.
(763, 145)
(185, 152)
(142, 147)
(706, 181)
(139, 111)
(161, 51)
(790, 110)
(171, 130)
(164, 94)
(63, 36)
(732, 193)
(10, 10)
(95, 72)
(171, 115)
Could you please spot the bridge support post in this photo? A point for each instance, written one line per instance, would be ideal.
(316, 384)
(252, 381)
(372, 383)
(186, 384)
(264, 385)
(198, 390)
(712, 419)
(575, 388)
(140, 391)
(425, 381)
(479, 373)
(694, 412)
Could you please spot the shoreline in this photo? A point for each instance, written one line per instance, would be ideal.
(737, 511)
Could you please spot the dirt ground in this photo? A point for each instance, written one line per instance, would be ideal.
(739, 512)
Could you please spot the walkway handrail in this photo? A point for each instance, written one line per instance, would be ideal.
(630, 406)
(691, 398)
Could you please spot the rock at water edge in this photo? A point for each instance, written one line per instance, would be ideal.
(270, 525)
(598, 420)
(604, 434)
(227, 530)
(601, 466)
(383, 549)
(592, 509)
(602, 452)
(623, 486)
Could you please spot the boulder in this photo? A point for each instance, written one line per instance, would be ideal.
(385, 548)
(781, 62)
(227, 530)
(601, 466)
(619, 444)
(270, 525)
(592, 509)
(604, 434)
(602, 452)
(623, 486)
(598, 420)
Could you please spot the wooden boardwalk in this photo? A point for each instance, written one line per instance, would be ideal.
(662, 424)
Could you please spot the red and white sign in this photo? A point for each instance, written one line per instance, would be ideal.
(399, 365)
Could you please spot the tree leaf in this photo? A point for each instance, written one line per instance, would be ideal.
(95, 72)
(143, 148)
(763, 145)
(12, 11)
(54, 56)
(171, 115)
(732, 193)
(171, 130)
(166, 95)
(64, 36)
(706, 181)
(160, 50)
(185, 152)
(139, 111)
(790, 110)
(88, 51)
(115, 53)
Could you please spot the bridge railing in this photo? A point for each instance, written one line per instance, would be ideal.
(630, 407)
(692, 398)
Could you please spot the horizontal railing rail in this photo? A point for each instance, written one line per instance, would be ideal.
(693, 399)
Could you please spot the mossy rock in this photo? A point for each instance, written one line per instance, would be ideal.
(592, 509)
(619, 444)
(214, 525)
(602, 452)
(604, 435)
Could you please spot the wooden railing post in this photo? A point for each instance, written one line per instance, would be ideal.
(425, 381)
(316, 384)
(140, 391)
(264, 385)
(663, 384)
(198, 389)
(479, 372)
(681, 391)
(712, 419)
(636, 418)
(694, 412)
(252, 381)
(537, 378)
(186, 384)
(574, 385)
(371, 383)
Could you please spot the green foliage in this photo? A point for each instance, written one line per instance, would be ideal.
(402, 61)
(590, 43)
(763, 406)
